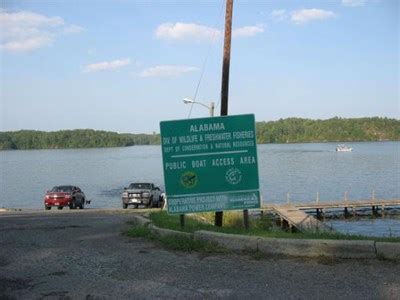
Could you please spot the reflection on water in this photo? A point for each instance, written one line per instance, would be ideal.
(302, 170)
(112, 192)
(387, 227)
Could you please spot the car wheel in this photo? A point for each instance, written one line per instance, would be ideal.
(124, 205)
(47, 207)
(72, 204)
(60, 207)
(82, 204)
(160, 202)
(150, 205)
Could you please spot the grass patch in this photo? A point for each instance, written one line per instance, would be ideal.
(185, 244)
(234, 219)
(138, 232)
(176, 243)
(260, 226)
(163, 220)
(232, 223)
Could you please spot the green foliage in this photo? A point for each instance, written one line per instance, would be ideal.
(80, 138)
(164, 220)
(297, 130)
(263, 223)
(291, 130)
(233, 220)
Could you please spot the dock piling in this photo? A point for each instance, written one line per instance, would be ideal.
(346, 212)
(374, 210)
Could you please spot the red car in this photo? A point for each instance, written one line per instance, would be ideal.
(64, 195)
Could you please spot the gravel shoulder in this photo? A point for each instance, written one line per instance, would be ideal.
(82, 254)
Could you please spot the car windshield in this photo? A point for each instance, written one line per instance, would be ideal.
(62, 189)
(146, 186)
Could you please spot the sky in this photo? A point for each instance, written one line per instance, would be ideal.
(125, 66)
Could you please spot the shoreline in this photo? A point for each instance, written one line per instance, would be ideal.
(258, 144)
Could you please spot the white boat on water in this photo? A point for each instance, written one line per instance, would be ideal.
(343, 148)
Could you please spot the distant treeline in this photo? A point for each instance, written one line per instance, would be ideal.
(291, 130)
(79, 138)
(297, 130)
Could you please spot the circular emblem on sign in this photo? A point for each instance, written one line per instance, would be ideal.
(233, 176)
(189, 179)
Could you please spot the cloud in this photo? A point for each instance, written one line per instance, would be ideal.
(353, 3)
(73, 29)
(279, 14)
(27, 44)
(186, 31)
(25, 31)
(106, 65)
(167, 71)
(247, 31)
(28, 19)
(303, 16)
(195, 32)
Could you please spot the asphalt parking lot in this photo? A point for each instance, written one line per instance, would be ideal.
(82, 254)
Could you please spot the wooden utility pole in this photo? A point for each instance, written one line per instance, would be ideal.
(226, 58)
(225, 77)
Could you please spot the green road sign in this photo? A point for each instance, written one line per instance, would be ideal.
(210, 164)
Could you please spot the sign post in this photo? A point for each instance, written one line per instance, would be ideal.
(210, 164)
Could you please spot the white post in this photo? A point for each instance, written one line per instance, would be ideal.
(212, 109)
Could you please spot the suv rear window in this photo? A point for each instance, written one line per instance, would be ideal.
(140, 186)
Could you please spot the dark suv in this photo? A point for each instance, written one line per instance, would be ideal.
(64, 195)
(142, 194)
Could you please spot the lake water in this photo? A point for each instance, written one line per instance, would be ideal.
(301, 170)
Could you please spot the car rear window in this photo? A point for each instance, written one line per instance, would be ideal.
(62, 188)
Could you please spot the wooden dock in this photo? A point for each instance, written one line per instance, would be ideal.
(376, 203)
(295, 218)
(293, 214)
